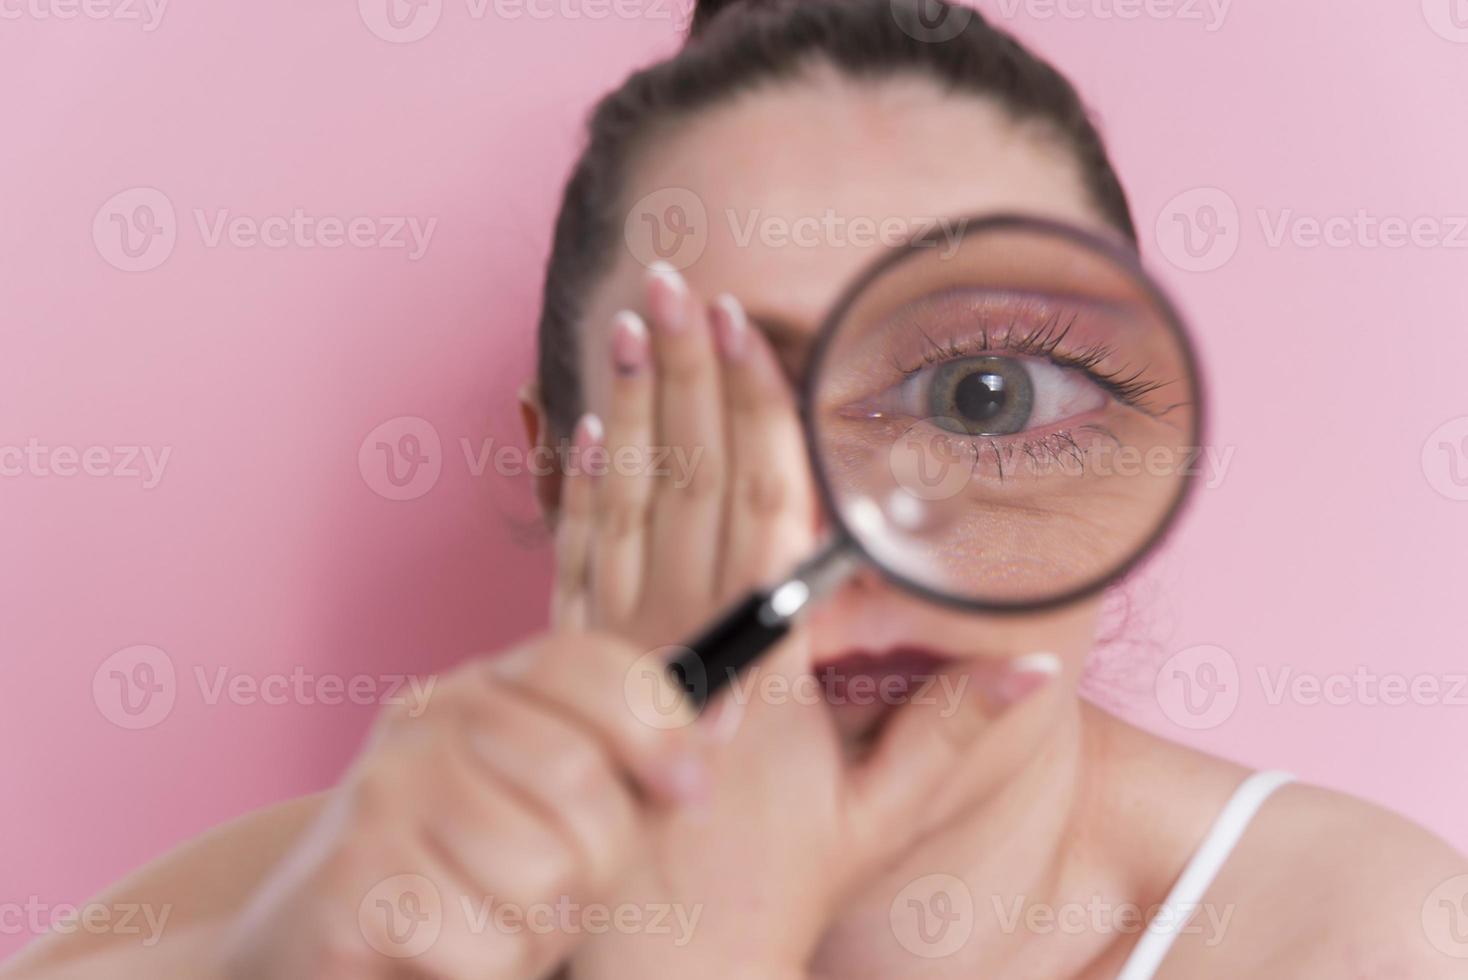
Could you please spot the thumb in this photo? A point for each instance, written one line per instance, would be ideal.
(932, 739)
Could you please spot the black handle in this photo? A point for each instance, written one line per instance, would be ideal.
(734, 641)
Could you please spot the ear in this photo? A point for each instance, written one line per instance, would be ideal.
(537, 435)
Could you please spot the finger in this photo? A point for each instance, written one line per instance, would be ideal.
(780, 704)
(419, 913)
(574, 532)
(493, 854)
(687, 505)
(628, 703)
(619, 552)
(563, 776)
(935, 738)
(769, 505)
(492, 838)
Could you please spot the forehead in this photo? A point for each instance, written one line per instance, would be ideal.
(782, 195)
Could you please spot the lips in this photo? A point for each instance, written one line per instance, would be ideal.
(864, 678)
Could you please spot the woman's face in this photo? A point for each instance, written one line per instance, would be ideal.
(792, 181)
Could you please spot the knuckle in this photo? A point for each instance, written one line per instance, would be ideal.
(762, 491)
(580, 770)
(687, 365)
(620, 516)
(553, 871)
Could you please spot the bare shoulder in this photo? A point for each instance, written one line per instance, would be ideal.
(1326, 885)
(200, 881)
(1321, 884)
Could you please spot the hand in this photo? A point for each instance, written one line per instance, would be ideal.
(708, 491)
(751, 882)
(521, 789)
(747, 885)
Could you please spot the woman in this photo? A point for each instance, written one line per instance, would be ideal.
(776, 837)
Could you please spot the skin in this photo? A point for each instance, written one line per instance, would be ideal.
(538, 777)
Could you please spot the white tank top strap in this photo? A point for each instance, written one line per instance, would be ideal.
(1187, 894)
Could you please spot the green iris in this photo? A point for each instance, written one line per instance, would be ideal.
(981, 396)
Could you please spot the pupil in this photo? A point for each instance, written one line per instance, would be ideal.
(980, 397)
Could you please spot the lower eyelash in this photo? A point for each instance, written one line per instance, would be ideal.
(1055, 450)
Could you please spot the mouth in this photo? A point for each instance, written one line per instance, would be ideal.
(862, 674)
(863, 687)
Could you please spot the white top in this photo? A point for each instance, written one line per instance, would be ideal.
(1193, 883)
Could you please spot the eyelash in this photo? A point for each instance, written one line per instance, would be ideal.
(1045, 341)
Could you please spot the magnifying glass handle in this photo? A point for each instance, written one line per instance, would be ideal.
(728, 645)
(755, 624)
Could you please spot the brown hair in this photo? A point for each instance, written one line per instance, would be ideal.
(734, 45)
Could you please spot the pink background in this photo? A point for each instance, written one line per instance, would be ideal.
(1334, 541)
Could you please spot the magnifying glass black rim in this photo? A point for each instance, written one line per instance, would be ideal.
(1124, 257)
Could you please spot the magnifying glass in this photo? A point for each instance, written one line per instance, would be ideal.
(1004, 419)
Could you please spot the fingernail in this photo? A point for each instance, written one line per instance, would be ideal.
(731, 326)
(1025, 676)
(668, 296)
(629, 343)
(589, 432)
(586, 457)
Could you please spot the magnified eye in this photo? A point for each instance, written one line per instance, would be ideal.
(990, 396)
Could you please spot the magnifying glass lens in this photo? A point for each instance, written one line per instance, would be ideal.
(1004, 420)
